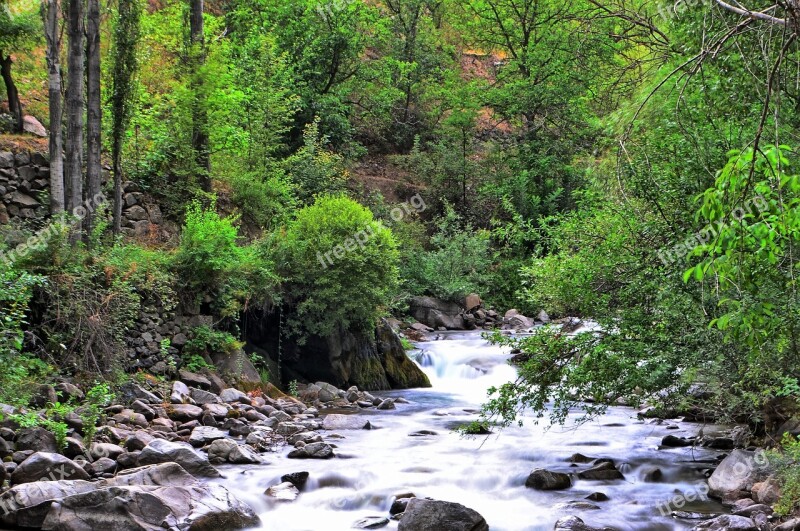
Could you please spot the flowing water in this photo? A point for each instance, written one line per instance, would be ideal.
(485, 474)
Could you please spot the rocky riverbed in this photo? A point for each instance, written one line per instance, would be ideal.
(196, 454)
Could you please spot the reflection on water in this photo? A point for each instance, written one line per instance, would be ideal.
(486, 474)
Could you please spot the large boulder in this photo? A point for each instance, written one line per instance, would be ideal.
(37, 440)
(27, 504)
(738, 472)
(162, 451)
(434, 515)
(369, 360)
(48, 466)
(195, 508)
(146, 499)
(237, 369)
(437, 313)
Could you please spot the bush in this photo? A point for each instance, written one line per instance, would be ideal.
(210, 262)
(264, 201)
(340, 265)
(313, 169)
(455, 266)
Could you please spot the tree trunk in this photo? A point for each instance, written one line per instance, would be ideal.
(53, 35)
(14, 105)
(75, 102)
(94, 117)
(199, 117)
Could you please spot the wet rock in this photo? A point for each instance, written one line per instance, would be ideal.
(47, 466)
(577, 506)
(598, 497)
(602, 471)
(653, 475)
(371, 522)
(386, 404)
(541, 479)
(422, 433)
(581, 459)
(727, 523)
(345, 422)
(399, 506)
(226, 450)
(285, 491)
(298, 479)
(573, 523)
(318, 450)
(434, 515)
(161, 451)
(670, 441)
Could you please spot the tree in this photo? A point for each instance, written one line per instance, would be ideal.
(52, 30)
(75, 104)
(199, 116)
(93, 105)
(340, 266)
(15, 31)
(124, 68)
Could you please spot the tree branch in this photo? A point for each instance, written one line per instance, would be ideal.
(758, 15)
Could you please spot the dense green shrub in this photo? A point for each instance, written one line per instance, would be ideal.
(456, 264)
(210, 262)
(340, 265)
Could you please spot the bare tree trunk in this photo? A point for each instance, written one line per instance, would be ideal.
(199, 117)
(14, 105)
(94, 116)
(75, 101)
(53, 35)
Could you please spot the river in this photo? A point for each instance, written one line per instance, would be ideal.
(485, 474)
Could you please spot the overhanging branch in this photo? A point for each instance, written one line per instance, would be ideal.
(757, 15)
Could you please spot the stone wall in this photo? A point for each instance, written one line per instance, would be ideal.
(25, 192)
(24, 183)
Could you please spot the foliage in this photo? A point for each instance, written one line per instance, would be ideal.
(211, 263)
(786, 463)
(340, 266)
(206, 341)
(455, 264)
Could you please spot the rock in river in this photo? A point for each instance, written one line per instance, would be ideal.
(434, 515)
(541, 479)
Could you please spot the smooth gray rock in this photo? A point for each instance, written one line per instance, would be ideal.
(433, 515)
(345, 422)
(162, 451)
(737, 472)
(47, 466)
(727, 523)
